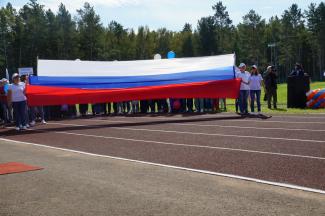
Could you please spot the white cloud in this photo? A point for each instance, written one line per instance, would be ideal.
(73, 5)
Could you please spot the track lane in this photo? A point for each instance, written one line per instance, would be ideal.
(315, 149)
(284, 133)
(219, 121)
(303, 119)
(298, 171)
(279, 168)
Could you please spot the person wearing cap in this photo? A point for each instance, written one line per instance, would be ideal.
(255, 85)
(17, 97)
(244, 88)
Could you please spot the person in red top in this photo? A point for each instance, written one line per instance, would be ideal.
(6, 110)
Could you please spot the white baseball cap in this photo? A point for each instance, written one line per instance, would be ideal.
(254, 66)
(242, 65)
(15, 75)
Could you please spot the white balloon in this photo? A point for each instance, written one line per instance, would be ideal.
(157, 56)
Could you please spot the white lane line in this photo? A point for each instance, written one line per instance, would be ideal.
(260, 181)
(180, 144)
(222, 116)
(301, 117)
(255, 128)
(196, 133)
(304, 116)
(271, 121)
(195, 146)
(220, 126)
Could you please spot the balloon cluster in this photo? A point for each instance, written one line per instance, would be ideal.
(316, 98)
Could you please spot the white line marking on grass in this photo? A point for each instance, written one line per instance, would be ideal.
(203, 134)
(284, 185)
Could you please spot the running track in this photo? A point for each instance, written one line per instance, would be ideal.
(286, 150)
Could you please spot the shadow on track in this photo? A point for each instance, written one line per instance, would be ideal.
(144, 123)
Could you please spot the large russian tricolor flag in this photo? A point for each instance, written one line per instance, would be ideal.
(79, 82)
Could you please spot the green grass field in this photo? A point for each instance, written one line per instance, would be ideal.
(282, 102)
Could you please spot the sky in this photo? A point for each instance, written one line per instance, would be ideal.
(172, 14)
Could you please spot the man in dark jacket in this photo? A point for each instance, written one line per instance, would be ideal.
(298, 71)
(270, 80)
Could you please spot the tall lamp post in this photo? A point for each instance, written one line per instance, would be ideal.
(273, 46)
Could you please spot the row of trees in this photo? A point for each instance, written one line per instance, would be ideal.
(31, 32)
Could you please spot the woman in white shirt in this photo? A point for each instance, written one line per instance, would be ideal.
(17, 96)
(244, 88)
(255, 85)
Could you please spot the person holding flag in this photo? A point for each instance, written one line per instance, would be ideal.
(17, 97)
(6, 111)
(244, 88)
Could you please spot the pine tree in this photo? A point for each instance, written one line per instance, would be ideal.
(90, 33)
(207, 36)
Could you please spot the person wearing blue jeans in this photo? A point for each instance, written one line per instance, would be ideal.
(255, 85)
(20, 114)
(255, 96)
(243, 105)
(16, 96)
(199, 105)
(33, 114)
(244, 88)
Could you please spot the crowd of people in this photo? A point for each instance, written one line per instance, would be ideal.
(251, 87)
(13, 104)
(14, 107)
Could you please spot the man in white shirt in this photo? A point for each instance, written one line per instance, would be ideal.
(244, 88)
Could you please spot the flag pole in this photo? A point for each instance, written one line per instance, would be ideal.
(7, 74)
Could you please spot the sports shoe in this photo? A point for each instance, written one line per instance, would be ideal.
(32, 123)
(43, 122)
(17, 128)
(24, 127)
(27, 126)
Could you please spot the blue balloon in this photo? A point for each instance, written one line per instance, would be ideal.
(171, 55)
(6, 88)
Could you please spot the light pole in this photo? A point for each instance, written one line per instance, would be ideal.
(273, 46)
